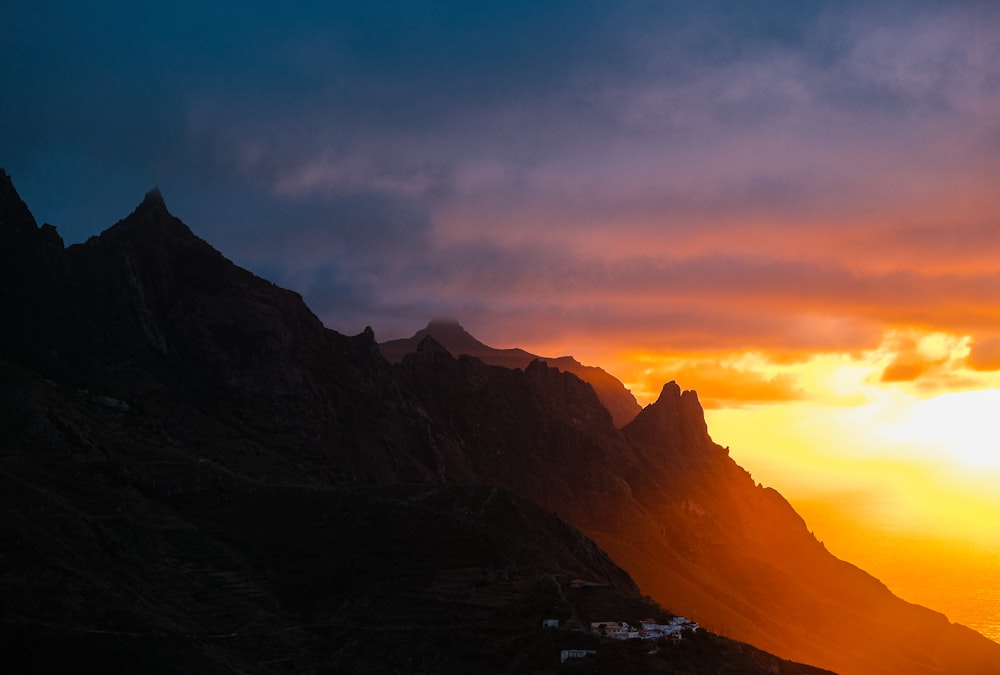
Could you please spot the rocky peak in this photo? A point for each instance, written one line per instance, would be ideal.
(31, 282)
(676, 419)
(15, 218)
(154, 199)
(153, 229)
(28, 254)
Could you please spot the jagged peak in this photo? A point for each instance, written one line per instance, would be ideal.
(152, 221)
(15, 217)
(152, 204)
(690, 396)
(671, 390)
(676, 417)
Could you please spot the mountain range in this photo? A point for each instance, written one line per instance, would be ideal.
(198, 475)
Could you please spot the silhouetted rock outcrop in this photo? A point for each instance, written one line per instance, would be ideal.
(32, 276)
(676, 418)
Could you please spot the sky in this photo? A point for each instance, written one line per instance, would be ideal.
(789, 206)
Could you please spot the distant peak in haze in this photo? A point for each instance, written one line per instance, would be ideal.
(447, 326)
(450, 334)
(444, 322)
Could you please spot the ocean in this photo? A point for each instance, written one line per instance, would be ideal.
(957, 577)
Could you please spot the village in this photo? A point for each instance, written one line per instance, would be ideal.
(648, 629)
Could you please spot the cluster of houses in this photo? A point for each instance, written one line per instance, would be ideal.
(646, 630)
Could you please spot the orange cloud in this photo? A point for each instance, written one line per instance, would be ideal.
(719, 385)
(984, 354)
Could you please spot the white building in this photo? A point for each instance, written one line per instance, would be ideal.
(615, 630)
(575, 654)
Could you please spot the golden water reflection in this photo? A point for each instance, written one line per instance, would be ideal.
(957, 577)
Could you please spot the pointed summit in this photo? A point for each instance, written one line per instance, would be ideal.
(152, 224)
(152, 203)
(671, 391)
(154, 198)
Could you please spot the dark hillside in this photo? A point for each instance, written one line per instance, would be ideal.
(122, 553)
(185, 451)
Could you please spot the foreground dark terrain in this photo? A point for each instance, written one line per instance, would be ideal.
(197, 476)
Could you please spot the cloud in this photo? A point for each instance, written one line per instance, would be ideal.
(908, 368)
(721, 385)
(787, 177)
(984, 354)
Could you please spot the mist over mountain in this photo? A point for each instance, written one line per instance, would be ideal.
(198, 476)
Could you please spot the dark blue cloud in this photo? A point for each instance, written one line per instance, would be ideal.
(399, 160)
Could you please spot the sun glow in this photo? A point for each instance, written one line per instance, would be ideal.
(892, 454)
(961, 427)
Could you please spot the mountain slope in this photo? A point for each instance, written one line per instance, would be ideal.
(179, 384)
(616, 398)
(122, 552)
(676, 511)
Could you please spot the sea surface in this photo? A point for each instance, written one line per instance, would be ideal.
(959, 578)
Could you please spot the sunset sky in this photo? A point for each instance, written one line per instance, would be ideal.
(791, 207)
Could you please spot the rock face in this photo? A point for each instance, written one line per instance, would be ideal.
(176, 428)
(612, 393)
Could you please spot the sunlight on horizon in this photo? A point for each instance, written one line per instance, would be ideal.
(892, 455)
(924, 522)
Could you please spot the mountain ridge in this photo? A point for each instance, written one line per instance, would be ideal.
(252, 390)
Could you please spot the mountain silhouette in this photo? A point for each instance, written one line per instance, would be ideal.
(197, 475)
(452, 336)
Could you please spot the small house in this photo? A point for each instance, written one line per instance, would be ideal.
(575, 654)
